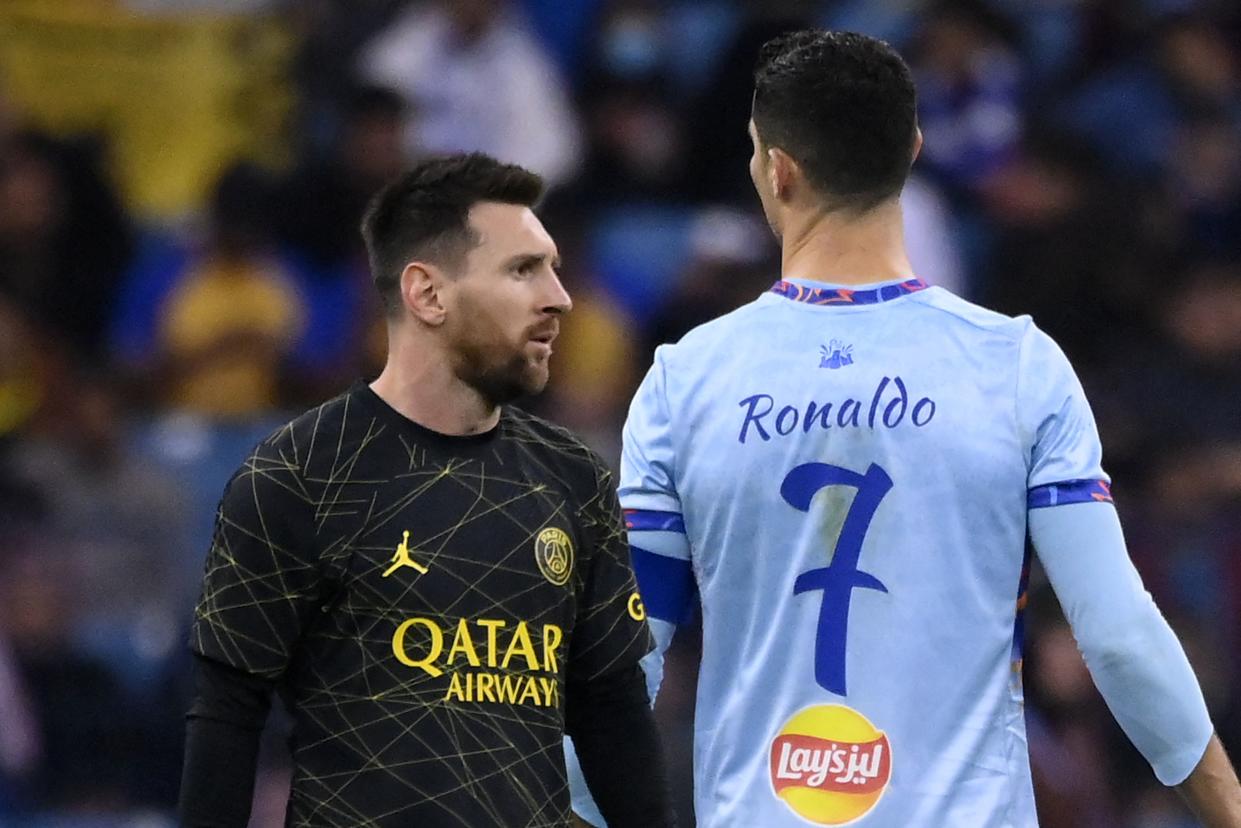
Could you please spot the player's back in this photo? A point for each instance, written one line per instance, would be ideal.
(853, 475)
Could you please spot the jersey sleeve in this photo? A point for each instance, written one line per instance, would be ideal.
(659, 542)
(647, 457)
(653, 511)
(666, 586)
(610, 632)
(1062, 442)
(1133, 655)
(262, 582)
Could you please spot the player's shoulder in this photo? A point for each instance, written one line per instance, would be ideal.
(963, 312)
(289, 448)
(1035, 352)
(554, 444)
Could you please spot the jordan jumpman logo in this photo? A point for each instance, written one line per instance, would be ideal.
(402, 558)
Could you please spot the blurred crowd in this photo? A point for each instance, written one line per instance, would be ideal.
(1082, 164)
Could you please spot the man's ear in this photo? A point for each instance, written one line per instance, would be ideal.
(917, 144)
(783, 173)
(422, 287)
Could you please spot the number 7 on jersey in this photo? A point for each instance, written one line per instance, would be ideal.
(839, 578)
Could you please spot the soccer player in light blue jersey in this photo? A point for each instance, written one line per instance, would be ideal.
(846, 471)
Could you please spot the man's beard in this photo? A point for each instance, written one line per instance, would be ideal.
(499, 381)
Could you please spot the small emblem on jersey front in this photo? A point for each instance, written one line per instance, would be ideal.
(637, 611)
(835, 354)
(553, 552)
(830, 764)
(402, 558)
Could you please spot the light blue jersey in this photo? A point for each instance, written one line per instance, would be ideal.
(853, 470)
(848, 479)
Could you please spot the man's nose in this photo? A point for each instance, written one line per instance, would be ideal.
(558, 300)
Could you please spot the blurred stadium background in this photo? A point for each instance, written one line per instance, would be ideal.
(180, 183)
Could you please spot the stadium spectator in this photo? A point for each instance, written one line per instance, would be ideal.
(1131, 107)
(476, 79)
(64, 240)
(1066, 250)
(212, 327)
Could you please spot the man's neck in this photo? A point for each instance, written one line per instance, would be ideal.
(420, 384)
(843, 249)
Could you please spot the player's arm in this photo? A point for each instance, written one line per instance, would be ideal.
(221, 745)
(661, 561)
(1133, 656)
(259, 589)
(658, 542)
(665, 583)
(1212, 790)
(617, 741)
(658, 545)
(607, 708)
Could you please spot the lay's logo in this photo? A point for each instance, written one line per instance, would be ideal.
(830, 764)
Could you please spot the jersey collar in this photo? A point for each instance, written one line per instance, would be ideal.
(846, 296)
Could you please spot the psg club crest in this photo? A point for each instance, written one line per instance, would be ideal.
(553, 552)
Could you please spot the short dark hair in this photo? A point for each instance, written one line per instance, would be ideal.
(843, 106)
(424, 214)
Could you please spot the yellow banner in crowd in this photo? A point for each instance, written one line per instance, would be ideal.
(178, 97)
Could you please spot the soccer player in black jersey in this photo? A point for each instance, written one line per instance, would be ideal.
(438, 584)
